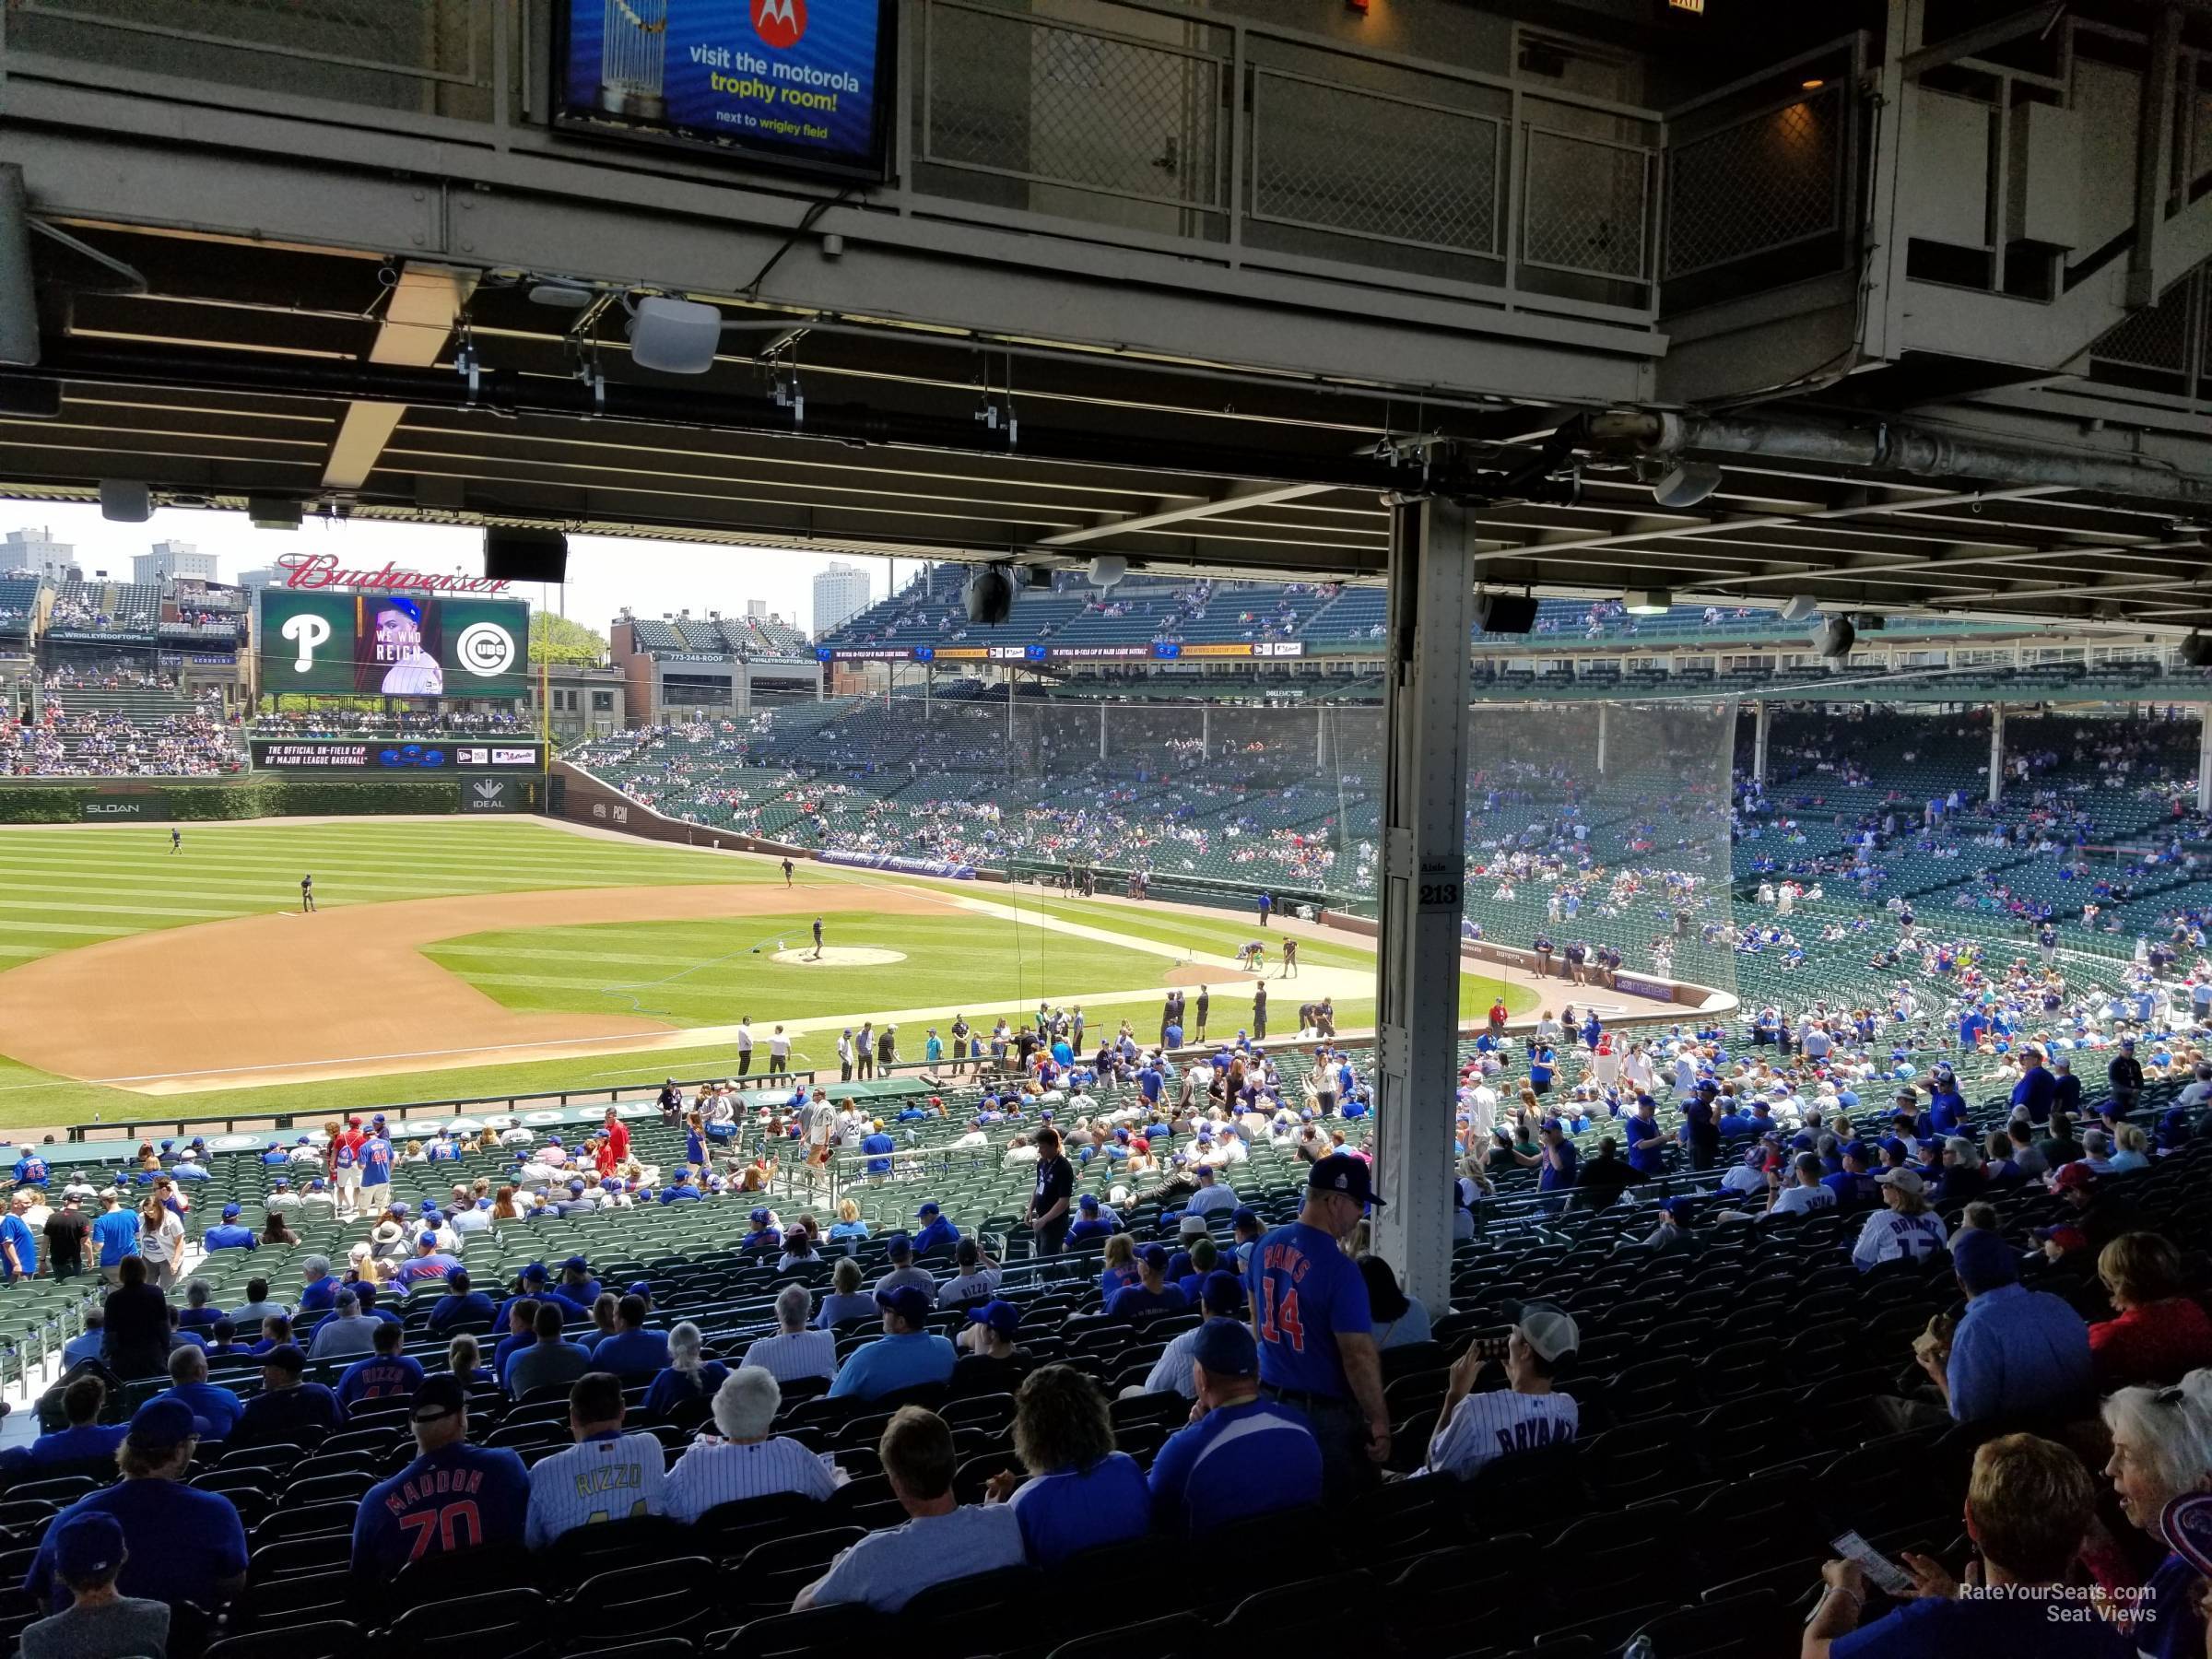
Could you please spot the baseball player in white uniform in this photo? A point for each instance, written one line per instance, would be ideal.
(606, 1475)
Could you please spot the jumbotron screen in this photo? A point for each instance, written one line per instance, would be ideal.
(392, 644)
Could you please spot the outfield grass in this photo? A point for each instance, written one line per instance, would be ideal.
(693, 973)
(1201, 931)
(60, 888)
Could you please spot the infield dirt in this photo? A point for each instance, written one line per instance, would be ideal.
(286, 997)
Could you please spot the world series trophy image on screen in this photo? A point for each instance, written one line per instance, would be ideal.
(409, 670)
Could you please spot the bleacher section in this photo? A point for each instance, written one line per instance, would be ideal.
(1329, 618)
(116, 610)
(119, 731)
(746, 637)
(18, 607)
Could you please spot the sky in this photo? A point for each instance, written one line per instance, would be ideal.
(605, 572)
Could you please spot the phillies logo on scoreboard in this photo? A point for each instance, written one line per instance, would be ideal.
(779, 23)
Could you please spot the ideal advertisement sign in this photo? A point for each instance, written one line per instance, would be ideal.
(803, 83)
(498, 795)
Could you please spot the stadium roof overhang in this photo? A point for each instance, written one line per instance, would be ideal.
(336, 378)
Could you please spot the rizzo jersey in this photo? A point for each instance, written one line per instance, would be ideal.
(606, 1478)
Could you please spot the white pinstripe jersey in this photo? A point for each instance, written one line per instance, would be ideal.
(714, 1471)
(1500, 1423)
(609, 1477)
(790, 1355)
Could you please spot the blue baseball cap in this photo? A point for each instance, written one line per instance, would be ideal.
(162, 1425)
(1089, 1201)
(231, 1212)
(639, 1288)
(1156, 1256)
(1003, 1317)
(87, 1546)
(537, 1270)
(429, 1238)
(1223, 1293)
(1341, 1173)
(398, 1207)
(929, 1207)
(911, 1302)
(1225, 1347)
(575, 1264)
(761, 1217)
(1242, 1214)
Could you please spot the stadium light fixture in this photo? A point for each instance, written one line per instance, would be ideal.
(1647, 602)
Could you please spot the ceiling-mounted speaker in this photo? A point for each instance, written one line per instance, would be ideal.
(514, 553)
(125, 501)
(989, 595)
(1834, 638)
(2195, 651)
(1802, 608)
(1505, 613)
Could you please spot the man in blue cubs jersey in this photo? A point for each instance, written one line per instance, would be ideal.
(1244, 1455)
(1310, 1319)
(387, 1374)
(376, 1172)
(453, 1497)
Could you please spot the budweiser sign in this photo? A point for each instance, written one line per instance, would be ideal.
(321, 571)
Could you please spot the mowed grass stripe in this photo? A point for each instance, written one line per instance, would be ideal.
(728, 968)
(1213, 934)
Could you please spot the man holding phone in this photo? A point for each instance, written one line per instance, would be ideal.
(2027, 1506)
(1474, 1429)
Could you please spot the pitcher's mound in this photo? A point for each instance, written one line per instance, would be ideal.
(841, 956)
(1198, 973)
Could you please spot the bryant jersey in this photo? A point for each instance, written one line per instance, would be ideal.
(456, 1498)
(608, 1477)
(1500, 1423)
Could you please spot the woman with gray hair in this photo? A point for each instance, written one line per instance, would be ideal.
(691, 1375)
(2162, 1451)
(1963, 1176)
(742, 1459)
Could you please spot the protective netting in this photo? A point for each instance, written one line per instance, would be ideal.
(1602, 823)
(1605, 825)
